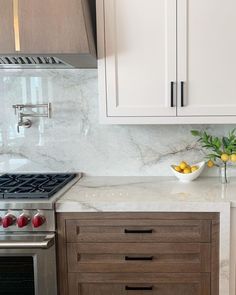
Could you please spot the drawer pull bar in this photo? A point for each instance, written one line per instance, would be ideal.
(147, 288)
(138, 258)
(182, 93)
(171, 94)
(138, 231)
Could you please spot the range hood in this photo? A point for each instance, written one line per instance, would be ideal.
(48, 34)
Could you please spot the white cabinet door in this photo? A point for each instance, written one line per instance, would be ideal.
(207, 57)
(137, 57)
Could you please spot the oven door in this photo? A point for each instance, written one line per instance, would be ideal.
(27, 264)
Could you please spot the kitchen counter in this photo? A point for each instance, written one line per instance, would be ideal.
(98, 194)
(157, 194)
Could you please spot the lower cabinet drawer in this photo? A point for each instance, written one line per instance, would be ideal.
(127, 231)
(198, 284)
(139, 258)
(125, 253)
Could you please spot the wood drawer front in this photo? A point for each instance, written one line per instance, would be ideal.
(137, 258)
(138, 231)
(169, 285)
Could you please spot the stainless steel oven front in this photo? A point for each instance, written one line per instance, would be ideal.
(28, 264)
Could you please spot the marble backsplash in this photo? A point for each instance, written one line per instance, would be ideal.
(73, 140)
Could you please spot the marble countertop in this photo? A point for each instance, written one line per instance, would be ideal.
(157, 194)
(95, 194)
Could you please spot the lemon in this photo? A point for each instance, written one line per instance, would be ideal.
(233, 157)
(187, 171)
(178, 169)
(225, 157)
(194, 168)
(210, 163)
(183, 165)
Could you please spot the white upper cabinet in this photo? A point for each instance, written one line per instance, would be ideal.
(138, 57)
(207, 57)
(167, 61)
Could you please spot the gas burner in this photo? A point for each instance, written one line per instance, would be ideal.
(32, 186)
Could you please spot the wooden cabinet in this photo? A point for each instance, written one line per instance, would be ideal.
(166, 61)
(168, 285)
(141, 257)
(122, 253)
(142, 231)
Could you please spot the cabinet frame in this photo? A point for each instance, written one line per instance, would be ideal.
(178, 119)
(62, 241)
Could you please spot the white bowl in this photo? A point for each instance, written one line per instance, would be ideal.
(190, 176)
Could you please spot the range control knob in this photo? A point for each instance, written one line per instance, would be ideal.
(38, 220)
(23, 220)
(8, 220)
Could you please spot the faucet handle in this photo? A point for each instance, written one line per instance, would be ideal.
(21, 123)
(15, 109)
(18, 107)
(18, 127)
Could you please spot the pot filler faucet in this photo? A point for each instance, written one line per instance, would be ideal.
(22, 115)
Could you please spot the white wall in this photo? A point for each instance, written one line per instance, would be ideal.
(73, 140)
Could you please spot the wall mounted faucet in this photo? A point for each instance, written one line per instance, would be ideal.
(27, 123)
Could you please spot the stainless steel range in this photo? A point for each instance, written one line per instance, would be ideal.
(27, 231)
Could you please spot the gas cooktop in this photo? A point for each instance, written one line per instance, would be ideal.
(32, 186)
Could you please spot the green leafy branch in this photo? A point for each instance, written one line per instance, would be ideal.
(217, 145)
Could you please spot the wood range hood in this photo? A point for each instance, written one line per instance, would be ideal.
(47, 34)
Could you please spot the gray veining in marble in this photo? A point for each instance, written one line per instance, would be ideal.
(73, 140)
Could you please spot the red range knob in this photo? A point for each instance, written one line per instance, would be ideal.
(38, 220)
(8, 220)
(23, 220)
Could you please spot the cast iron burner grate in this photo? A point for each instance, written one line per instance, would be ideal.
(32, 186)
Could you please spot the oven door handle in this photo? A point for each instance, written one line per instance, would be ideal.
(46, 243)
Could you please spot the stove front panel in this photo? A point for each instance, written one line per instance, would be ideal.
(47, 226)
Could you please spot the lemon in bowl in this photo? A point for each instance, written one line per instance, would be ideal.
(186, 173)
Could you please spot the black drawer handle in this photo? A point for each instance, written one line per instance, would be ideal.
(182, 93)
(171, 94)
(132, 258)
(147, 288)
(138, 231)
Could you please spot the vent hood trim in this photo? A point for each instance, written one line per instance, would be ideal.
(8, 62)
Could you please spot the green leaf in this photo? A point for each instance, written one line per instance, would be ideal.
(205, 136)
(195, 133)
(218, 141)
(214, 155)
(215, 144)
(225, 141)
(231, 133)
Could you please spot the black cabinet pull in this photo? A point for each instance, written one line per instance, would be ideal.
(182, 93)
(138, 231)
(147, 288)
(171, 94)
(132, 258)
